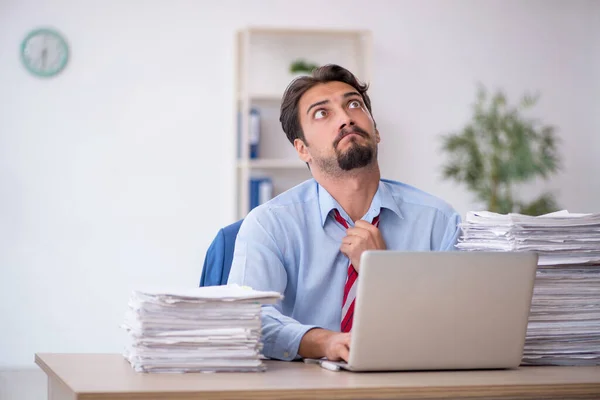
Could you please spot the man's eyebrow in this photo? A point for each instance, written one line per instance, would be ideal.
(318, 103)
(350, 94)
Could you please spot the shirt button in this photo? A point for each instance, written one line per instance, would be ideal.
(286, 354)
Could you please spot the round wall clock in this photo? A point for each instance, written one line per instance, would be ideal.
(44, 52)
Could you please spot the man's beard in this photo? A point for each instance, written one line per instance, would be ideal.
(357, 156)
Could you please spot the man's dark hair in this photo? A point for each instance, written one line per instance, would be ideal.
(289, 118)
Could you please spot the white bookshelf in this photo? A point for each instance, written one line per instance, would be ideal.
(263, 57)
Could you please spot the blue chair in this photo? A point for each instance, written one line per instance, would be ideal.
(219, 256)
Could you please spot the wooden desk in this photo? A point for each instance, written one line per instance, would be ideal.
(109, 376)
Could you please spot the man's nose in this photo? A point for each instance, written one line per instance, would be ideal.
(345, 120)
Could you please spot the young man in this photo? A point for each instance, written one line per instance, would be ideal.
(306, 243)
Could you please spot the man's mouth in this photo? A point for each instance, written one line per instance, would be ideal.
(349, 134)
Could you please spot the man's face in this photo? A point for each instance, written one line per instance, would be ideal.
(338, 129)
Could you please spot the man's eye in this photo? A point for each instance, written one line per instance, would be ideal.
(320, 114)
(354, 104)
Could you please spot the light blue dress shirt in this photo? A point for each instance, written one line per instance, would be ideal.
(291, 245)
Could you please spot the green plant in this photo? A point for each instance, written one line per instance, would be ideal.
(302, 66)
(500, 148)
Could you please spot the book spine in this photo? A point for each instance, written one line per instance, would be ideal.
(254, 132)
(261, 191)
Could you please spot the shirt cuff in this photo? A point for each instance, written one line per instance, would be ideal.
(288, 341)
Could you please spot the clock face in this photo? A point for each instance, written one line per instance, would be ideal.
(44, 52)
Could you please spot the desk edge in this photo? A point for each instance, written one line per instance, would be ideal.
(49, 372)
(558, 391)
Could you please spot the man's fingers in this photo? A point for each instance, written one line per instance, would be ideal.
(346, 339)
(338, 347)
(349, 246)
(346, 246)
(361, 223)
(344, 353)
(360, 232)
(348, 240)
(346, 250)
(367, 232)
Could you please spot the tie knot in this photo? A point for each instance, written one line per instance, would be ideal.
(342, 221)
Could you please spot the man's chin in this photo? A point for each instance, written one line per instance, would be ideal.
(348, 162)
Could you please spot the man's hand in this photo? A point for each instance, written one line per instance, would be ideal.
(319, 343)
(337, 347)
(363, 236)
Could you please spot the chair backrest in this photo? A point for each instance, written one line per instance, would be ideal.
(219, 256)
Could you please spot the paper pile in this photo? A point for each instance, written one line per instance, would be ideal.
(207, 329)
(560, 238)
(564, 323)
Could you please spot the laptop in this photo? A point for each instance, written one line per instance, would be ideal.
(440, 311)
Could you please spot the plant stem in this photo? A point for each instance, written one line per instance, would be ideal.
(494, 185)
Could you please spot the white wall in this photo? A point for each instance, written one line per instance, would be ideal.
(108, 173)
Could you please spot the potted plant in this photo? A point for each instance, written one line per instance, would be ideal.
(500, 148)
(301, 67)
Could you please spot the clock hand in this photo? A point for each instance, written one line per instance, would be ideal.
(44, 56)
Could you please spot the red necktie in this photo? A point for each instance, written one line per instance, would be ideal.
(351, 283)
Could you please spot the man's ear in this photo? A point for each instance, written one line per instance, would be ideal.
(377, 135)
(302, 150)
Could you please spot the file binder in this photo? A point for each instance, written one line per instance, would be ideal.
(253, 133)
(261, 191)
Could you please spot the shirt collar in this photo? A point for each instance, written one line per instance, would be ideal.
(382, 199)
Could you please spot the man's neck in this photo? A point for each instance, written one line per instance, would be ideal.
(353, 190)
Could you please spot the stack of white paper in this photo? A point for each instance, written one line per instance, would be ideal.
(560, 238)
(564, 323)
(207, 329)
